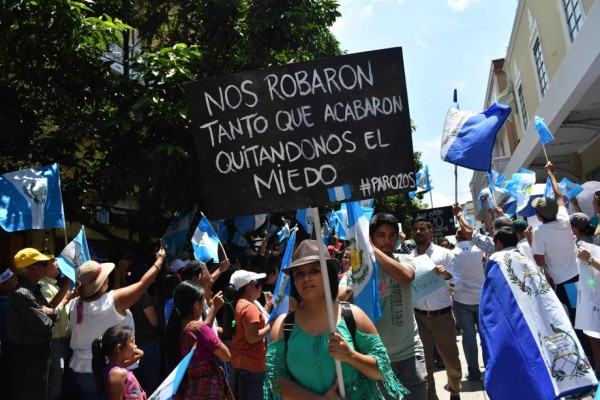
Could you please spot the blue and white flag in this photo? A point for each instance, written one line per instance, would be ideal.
(271, 229)
(368, 203)
(423, 179)
(31, 199)
(167, 389)
(174, 238)
(240, 241)
(490, 201)
(363, 279)
(205, 242)
(250, 223)
(339, 193)
(468, 137)
(542, 129)
(519, 187)
(73, 255)
(569, 189)
(342, 225)
(495, 179)
(305, 219)
(284, 232)
(281, 295)
(526, 335)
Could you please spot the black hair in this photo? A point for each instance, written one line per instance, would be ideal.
(104, 347)
(507, 236)
(421, 219)
(185, 296)
(332, 271)
(503, 222)
(382, 219)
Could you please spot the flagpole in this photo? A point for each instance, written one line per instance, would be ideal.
(431, 198)
(328, 301)
(455, 183)
(546, 154)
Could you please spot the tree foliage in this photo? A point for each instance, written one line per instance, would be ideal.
(98, 88)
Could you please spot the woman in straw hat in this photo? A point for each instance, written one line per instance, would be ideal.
(304, 367)
(98, 309)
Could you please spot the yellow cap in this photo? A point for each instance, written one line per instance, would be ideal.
(26, 257)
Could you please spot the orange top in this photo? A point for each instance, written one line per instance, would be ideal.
(244, 355)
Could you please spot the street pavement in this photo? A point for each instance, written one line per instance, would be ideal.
(469, 390)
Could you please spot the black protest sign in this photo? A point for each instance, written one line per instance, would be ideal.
(302, 135)
(441, 220)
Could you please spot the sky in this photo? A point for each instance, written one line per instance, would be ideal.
(446, 45)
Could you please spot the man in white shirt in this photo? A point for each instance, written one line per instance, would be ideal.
(434, 312)
(470, 273)
(553, 245)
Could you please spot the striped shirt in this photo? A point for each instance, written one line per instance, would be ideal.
(26, 323)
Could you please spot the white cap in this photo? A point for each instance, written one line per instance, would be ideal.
(241, 278)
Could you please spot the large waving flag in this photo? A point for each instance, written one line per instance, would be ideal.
(363, 278)
(174, 238)
(249, 223)
(468, 137)
(530, 348)
(205, 242)
(542, 129)
(305, 219)
(281, 296)
(73, 255)
(31, 199)
(519, 187)
(168, 388)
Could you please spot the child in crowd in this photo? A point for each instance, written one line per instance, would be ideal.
(118, 383)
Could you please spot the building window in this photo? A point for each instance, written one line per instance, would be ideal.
(573, 16)
(522, 106)
(540, 66)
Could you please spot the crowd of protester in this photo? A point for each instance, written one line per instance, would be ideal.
(120, 329)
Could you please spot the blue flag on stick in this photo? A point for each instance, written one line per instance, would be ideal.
(305, 219)
(363, 278)
(205, 242)
(468, 137)
(282, 288)
(73, 255)
(542, 129)
(31, 199)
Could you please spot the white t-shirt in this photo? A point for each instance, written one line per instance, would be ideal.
(98, 316)
(555, 241)
(469, 268)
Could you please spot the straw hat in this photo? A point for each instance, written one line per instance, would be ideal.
(91, 275)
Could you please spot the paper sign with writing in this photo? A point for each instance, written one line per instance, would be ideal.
(426, 280)
(303, 135)
(588, 296)
(441, 219)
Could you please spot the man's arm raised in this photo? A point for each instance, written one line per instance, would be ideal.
(400, 272)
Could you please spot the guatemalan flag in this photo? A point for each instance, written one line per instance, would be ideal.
(281, 296)
(543, 131)
(468, 137)
(205, 242)
(519, 187)
(174, 238)
(305, 219)
(423, 179)
(31, 199)
(169, 387)
(530, 348)
(250, 223)
(73, 255)
(363, 279)
(240, 241)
